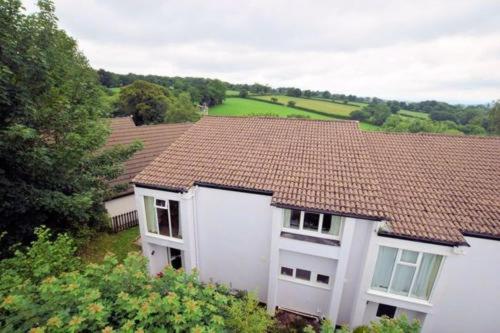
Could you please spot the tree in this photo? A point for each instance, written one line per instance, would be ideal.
(182, 110)
(274, 99)
(71, 297)
(326, 94)
(294, 92)
(494, 118)
(146, 102)
(360, 115)
(379, 112)
(243, 93)
(52, 168)
(307, 93)
(291, 104)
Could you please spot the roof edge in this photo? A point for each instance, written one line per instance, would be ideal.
(160, 187)
(421, 239)
(323, 211)
(233, 188)
(480, 235)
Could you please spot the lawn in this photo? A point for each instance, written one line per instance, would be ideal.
(235, 106)
(316, 104)
(413, 114)
(120, 244)
(230, 93)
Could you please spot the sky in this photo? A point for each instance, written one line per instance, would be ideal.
(446, 50)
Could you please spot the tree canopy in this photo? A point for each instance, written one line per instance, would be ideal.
(53, 170)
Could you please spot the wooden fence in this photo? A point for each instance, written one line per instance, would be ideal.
(124, 221)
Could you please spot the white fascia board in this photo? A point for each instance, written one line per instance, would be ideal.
(414, 245)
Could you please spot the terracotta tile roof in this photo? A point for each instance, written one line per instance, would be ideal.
(155, 139)
(428, 187)
(438, 187)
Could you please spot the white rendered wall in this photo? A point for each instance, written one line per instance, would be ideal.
(120, 205)
(298, 295)
(468, 298)
(357, 256)
(234, 235)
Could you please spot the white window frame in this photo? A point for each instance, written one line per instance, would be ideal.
(167, 207)
(312, 282)
(398, 261)
(318, 233)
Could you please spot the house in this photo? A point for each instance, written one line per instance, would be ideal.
(321, 218)
(155, 139)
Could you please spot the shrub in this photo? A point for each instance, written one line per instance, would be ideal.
(291, 103)
(384, 325)
(243, 93)
(274, 100)
(360, 115)
(112, 296)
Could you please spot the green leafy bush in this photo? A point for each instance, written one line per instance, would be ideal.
(384, 325)
(39, 293)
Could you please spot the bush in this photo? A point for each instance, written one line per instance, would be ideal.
(274, 100)
(384, 325)
(39, 295)
(291, 103)
(360, 115)
(243, 93)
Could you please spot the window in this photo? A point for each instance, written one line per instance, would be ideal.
(386, 310)
(162, 217)
(286, 271)
(175, 257)
(325, 279)
(406, 273)
(323, 225)
(303, 274)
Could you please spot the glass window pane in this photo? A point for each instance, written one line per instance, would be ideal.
(163, 221)
(286, 271)
(383, 269)
(331, 224)
(303, 274)
(160, 203)
(149, 208)
(409, 256)
(311, 221)
(174, 219)
(429, 267)
(287, 214)
(325, 279)
(401, 282)
(175, 258)
(295, 219)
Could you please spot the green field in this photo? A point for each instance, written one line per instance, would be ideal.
(316, 104)
(414, 114)
(230, 93)
(235, 106)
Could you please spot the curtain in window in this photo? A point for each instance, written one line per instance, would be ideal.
(429, 267)
(331, 224)
(383, 269)
(286, 217)
(149, 207)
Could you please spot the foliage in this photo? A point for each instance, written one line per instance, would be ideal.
(36, 295)
(243, 93)
(104, 243)
(379, 112)
(494, 118)
(361, 115)
(181, 110)
(209, 91)
(294, 92)
(384, 325)
(53, 170)
(291, 103)
(274, 100)
(146, 102)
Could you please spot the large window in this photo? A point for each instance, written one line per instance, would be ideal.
(406, 273)
(323, 225)
(162, 217)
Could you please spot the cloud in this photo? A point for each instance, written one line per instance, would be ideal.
(409, 50)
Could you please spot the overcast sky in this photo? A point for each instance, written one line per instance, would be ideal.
(408, 50)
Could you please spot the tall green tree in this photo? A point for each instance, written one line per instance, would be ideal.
(53, 169)
(182, 110)
(146, 102)
(494, 118)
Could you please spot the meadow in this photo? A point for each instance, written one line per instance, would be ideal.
(413, 114)
(335, 109)
(235, 106)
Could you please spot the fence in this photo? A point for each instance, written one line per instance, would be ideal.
(124, 221)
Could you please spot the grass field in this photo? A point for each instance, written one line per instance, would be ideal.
(120, 244)
(231, 93)
(316, 104)
(235, 106)
(414, 114)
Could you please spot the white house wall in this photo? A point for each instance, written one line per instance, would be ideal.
(468, 294)
(120, 205)
(234, 235)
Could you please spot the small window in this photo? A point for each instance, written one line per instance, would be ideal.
(160, 203)
(409, 256)
(311, 221)
(174, 219)
(386, 310)
(325, 279)
(331, 224)
(303, 274)
(286, 271)
(163, 221)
